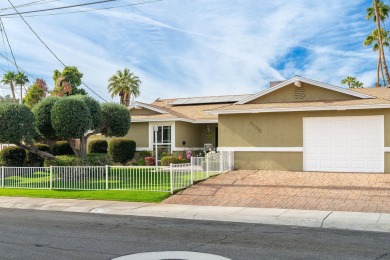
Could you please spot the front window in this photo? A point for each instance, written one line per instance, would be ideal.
(163, 140)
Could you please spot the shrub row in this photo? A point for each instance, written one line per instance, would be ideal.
(92, 159)
(18, 157)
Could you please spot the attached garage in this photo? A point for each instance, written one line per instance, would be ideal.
(306, 125)
(343, 144)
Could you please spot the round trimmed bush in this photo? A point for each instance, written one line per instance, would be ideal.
(35, 160)
(13, 156)
(42, 113)
(121, 150)
(167, 160)
(61, 148)
(116, 120)
(97, 146)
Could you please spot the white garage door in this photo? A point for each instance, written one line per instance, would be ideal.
(343, 144)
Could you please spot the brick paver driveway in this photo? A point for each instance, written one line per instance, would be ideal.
(293, 190)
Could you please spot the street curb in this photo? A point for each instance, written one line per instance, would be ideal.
(378, 222)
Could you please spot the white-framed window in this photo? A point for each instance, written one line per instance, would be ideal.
(165, 137)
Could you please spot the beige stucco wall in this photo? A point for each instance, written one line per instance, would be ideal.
(139, 132)
(193, 134)
(313, 93)
(279, 130)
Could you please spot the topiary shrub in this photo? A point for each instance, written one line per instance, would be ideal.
(97, 146)
(167, 160)
(150, 161)
(121, 150)
(13, 156)
(35, 160)
(144, 154)
(61, 148)
(94, 159)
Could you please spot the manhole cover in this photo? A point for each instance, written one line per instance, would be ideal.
(172, 255)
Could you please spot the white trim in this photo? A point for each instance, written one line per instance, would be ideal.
(208, 121)
(305, 80)
(147, 120)
(261, 149)
(387, 149)
(165, 123)
(297, 109)
(137, 105)
(181, 149)
(139, 149)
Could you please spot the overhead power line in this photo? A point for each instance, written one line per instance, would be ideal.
(57, 8)
(89, 10)
(47, 47)
(30, 4)
(9, 45)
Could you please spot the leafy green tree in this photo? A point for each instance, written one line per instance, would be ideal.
(79, 117)
(17, 127)
(9, 79)
(372, 39)
(67, 82)
(21, 79)
(116, 120)
(125, 84)
(35, 93)
(379, 12)
(42, 113)
(348, 80)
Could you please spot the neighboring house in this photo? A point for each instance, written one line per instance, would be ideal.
(302, 124)
(182, 123)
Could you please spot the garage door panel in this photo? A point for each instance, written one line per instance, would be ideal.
(345, 144)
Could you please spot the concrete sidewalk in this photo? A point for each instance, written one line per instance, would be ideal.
(305, 218)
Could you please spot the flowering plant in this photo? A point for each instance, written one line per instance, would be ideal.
(188, 154)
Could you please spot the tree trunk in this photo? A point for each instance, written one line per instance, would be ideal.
(381, 50)
(73, 146)
(383, 74)
(378, 67)
(12, 90)
(33, 149)
(21, 94)
(83, 146)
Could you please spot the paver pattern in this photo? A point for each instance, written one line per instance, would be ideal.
(359, 192)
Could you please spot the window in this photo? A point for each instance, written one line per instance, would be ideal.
(164, 140)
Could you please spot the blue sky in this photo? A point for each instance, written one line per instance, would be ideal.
(183, 48)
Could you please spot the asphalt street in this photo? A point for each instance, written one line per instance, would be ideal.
(29, 234)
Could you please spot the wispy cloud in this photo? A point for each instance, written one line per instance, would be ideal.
(204, 47)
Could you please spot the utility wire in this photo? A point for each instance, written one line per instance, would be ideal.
(9, 45)
(30, 4)
(5, 48)
(47, 47)
(57, 8)
(89, 10)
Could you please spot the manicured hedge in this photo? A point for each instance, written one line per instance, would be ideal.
(97, 146)
(167, 160)
(13, 156)
(121, 150)
(61, 148)
(93, 159)
(35, 160)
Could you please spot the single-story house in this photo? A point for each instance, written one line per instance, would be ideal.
(298, 124)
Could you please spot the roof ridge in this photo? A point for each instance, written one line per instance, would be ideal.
(160, 99)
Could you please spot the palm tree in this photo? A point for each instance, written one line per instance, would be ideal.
(21, 79)
(379, 12)
(349, 81)
(9, 79)
(357, 84)
(372, 39)
(125, 84)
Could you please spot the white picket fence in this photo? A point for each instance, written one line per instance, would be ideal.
(142, 178)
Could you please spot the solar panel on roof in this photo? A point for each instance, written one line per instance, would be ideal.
(209, 100)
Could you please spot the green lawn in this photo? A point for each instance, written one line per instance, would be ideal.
(122, 195)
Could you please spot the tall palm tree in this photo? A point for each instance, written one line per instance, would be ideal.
(125, 84)
(372, 39)
(379, 12)
(21, 79)
(349, 81)
(9, 79)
